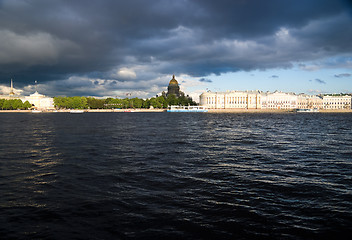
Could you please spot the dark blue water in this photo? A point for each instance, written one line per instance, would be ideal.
(175, 176)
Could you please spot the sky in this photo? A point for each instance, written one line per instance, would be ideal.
(115, 48)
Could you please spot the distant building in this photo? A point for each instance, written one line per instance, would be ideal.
(279, 100)
(248, 100)
(337, 102)
(38, 101)
(275, 100)
(309, 102)
(173, 87)
(233, 100)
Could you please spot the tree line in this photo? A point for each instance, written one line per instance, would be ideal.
(14, 104)
(109, 103)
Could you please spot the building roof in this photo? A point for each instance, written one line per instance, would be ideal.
(173, 81)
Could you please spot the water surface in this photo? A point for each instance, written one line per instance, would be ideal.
(175, 176)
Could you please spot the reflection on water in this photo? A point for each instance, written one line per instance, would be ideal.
(29, 147)
(184, 176)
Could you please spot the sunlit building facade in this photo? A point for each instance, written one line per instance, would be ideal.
(248, 100)
(279, 100)
(40, 101)
(231, 100)
(337, 102)
(309, 102)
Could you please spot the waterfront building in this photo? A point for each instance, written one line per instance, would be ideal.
(231, 100)
(40, 101)
(337, 102)
(309, 102)
(268, 100)
(278, 100)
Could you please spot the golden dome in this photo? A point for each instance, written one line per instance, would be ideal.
(173, 81)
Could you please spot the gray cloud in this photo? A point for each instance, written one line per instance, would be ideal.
(320, 81)
(274, 76)
(205, 80)
(341, 75)
(136, 42)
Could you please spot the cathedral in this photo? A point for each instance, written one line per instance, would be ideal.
(173, 87)
(174, 90)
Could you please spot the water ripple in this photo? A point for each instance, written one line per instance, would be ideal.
(178, 176)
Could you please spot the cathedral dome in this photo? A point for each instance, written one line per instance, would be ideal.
(173, 81)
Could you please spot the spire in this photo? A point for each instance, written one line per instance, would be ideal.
(173, 76)
(11, 90)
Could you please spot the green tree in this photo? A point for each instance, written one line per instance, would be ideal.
(17, 104)
(137, 102)
(2, 103)
(172, 100)
(94, 103)
(7, 105)
(59, 102)
(27, 105)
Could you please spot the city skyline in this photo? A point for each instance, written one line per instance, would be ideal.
(110, 48)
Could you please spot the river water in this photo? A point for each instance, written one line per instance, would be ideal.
(175, 176)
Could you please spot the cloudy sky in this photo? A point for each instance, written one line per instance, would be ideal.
(115, 47)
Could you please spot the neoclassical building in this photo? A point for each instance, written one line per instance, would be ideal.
(279, 100)
(173, 87)
(268, 100)
(337, 102)
(248, 100)
(309, 102)
(39, 101)
(231, 99)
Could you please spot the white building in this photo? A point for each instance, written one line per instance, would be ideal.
(309, 102)
(39, 101)
(231, 100)
(337, 102)
(279, 100)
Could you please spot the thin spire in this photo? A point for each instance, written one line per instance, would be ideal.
(11, 89)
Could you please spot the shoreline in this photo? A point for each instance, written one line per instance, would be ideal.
(274, 111)
(87, 110)
(164, 110)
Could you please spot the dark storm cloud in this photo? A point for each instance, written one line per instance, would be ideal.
(117, 40)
